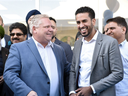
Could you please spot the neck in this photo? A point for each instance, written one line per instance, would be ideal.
(121, 40)
(88, 38)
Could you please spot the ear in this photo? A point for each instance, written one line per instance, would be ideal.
(34, 30)
(123, 30)
(25, 36)
(94, 21)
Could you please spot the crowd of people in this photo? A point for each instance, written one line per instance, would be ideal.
(34, 62)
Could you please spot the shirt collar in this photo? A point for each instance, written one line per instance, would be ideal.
(38, 44)
(121, 44)
(93, 39)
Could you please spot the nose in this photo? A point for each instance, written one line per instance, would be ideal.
(51, 29)
(15, 35)
(81, 24)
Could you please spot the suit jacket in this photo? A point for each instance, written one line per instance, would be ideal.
(106, 69)
(7, 41)
(5, 90)
(4, 53)
(67, 49)
(25, 71)
(69, 53)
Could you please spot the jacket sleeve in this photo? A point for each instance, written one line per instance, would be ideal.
(12, 73)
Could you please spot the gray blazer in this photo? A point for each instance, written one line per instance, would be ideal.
(106, 69)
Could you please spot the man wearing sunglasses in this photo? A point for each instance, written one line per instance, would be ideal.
(18, 32)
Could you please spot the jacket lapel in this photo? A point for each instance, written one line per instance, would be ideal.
(35, 52)
(96, 50)
(57, 60)
(77, 53)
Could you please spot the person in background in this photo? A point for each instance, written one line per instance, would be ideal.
(18, 32)
(77, 35)
(96, 65)
(5, 42)
(117, 28)
(4, 89)
(65, 46)
(36, 67)
(29, 16)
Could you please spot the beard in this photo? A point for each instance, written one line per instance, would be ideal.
(89, 28)
(53, 37)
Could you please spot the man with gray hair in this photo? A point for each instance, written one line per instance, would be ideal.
(39, 64)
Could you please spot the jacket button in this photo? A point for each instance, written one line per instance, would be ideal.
(48, 94)
(48, 82)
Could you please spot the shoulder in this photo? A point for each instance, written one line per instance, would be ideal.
(56, 46)
(20, 44)
(106, 38)
(62, 44)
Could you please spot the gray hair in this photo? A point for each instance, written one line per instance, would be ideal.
(35, 21)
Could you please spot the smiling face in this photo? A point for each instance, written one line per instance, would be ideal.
(115, 31)
(43, 34)
(17, 36)
(54, 27)
(85, 25)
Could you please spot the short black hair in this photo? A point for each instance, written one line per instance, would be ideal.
(119, 20)
(86, 9)
(20, 26)
(52, 19)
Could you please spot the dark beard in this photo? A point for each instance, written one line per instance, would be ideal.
(89, 31)
(53, 37)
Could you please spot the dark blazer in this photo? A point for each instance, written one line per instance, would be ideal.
(28, 72)
(4, 53)
(8, 41)
(67, 49)
(6, 91)
(69, 53)
(106, 69)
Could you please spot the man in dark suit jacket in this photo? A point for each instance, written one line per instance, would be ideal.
(39, 65)
(67, 47)
(96, 65)
(3, 56)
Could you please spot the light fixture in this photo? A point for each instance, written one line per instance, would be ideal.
(71, 22)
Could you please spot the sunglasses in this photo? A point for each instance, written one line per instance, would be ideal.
(17, 34)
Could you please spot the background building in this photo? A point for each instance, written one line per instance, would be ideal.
(64, 12)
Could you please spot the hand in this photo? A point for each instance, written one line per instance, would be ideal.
(1, 79)
(32, 93)
(84, 91)
(73, 94)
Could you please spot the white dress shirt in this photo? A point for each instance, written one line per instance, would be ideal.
(122, 86)
(50, 63)
(86, 61)
(3, 42)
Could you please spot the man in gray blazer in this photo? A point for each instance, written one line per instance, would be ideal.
(96, 65)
